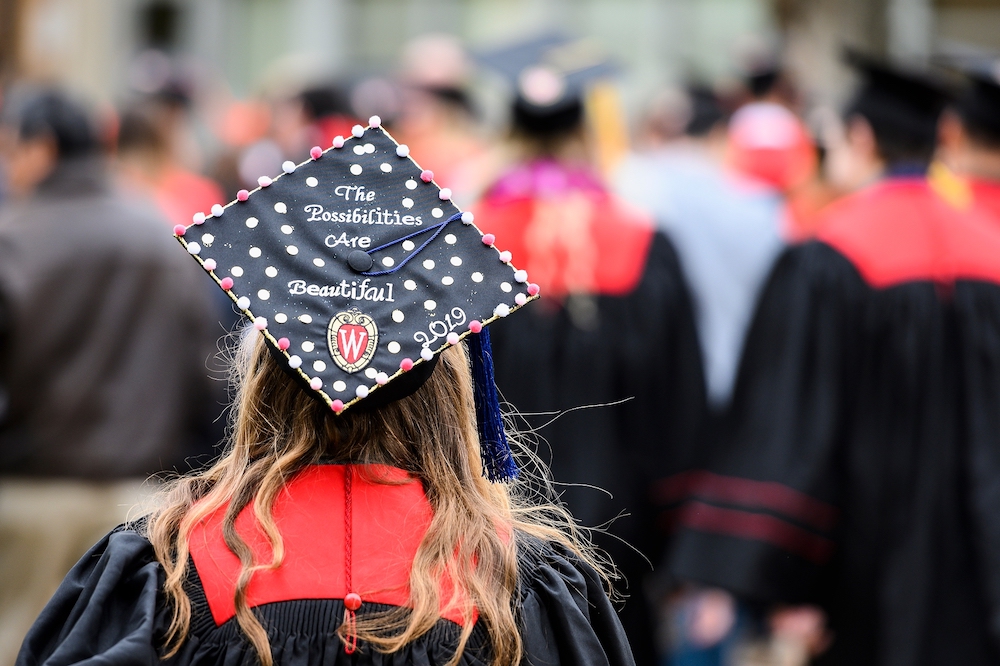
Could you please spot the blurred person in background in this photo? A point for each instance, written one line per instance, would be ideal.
(300, 118)
(970, 137)
(770, 143)
(301, 115)
(149, 162)
(858, 471)
(727, 228)
(103, 356)
(438, 119)
(614, 332)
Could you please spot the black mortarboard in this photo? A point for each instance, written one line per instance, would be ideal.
(358, 270)
(979, 103)
(549, 75)
(902, 106)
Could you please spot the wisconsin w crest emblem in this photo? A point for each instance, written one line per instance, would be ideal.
(353, 338)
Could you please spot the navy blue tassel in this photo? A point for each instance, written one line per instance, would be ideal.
(498, 460)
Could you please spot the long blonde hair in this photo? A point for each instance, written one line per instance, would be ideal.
(277, 430)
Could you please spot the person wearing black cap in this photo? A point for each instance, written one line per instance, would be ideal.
(369, 508)
(614, 331)
(970, 137)
(859, 469)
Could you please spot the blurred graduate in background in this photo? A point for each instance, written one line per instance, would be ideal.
(614, 330)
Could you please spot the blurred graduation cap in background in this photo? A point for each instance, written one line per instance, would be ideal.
(554, 79)
(902, 106)
(978, 103)
(550, 76)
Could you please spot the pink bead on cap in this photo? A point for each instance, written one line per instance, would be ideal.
(264, 181)
(338, 141)
(180, 230)
(475, 326)
(242, 195)
(444, 194)
(226, 283)
(406, 364)
(284, 344)
(337, 406)
(315, 152)
(506, 256)
(198, 218)
(427, 175)
(209, 265)
(489, 239)
(315, 383)
(533, 289)
(452, 338)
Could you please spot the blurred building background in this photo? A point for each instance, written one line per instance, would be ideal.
(93, 44)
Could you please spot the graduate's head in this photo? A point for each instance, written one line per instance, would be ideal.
(548, 111)
(970, 128)
(978, 109)
(551, 78)
(39, 128)
(894, 114)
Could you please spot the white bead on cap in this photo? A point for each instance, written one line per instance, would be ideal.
(288, 166)
(375, 121)
(358, 131)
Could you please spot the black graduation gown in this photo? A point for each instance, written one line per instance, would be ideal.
(110, 610)
(641, 346)
(861, 467)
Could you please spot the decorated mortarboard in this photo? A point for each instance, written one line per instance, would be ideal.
(358, 270)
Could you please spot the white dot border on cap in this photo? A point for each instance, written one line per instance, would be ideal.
(235, 297)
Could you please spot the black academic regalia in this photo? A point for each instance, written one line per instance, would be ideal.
(110, 610)
(640, 346)
(861, 466)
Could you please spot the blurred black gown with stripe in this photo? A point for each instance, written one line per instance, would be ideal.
(861, 470)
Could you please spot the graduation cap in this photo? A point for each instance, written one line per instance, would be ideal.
(358, 270)
(549, 75)
(903, 106)
(979, 102)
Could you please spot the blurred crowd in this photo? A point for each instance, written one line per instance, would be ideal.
(652, 243)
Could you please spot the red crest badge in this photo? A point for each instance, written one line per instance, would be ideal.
(352, 338)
